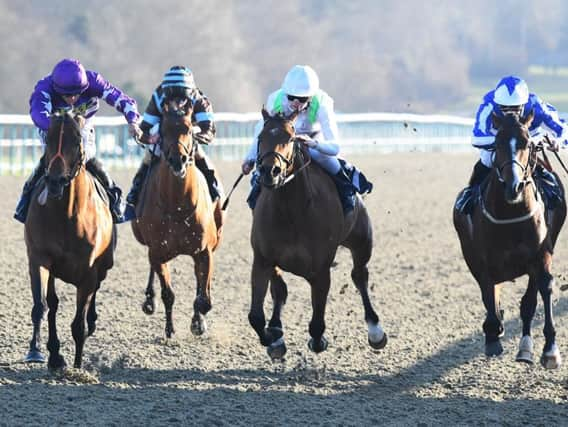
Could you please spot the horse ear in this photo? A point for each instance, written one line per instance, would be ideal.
(527, 121)
(265, 114)
(497, 120)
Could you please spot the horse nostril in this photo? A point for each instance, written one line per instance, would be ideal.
(275, 171)
(183, 159)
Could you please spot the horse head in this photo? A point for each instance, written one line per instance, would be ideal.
(512, 154)
(276, 149)
(178, 148)
(64, 153)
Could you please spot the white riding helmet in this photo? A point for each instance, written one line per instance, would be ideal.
(301, 80)
(511, 91)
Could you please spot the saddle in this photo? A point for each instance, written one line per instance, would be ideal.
(546, 183)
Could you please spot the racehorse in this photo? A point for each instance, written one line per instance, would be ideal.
(511, 233)
(298, 224)
(69, 235)
(177, 216)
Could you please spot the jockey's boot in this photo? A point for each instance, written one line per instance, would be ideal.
(95, 167)
(24, 202)
(134, 193)
(549, 188)
(254, 190)
(346, 191)
(465, 203)
(208, 171)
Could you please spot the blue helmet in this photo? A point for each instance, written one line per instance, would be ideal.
(69, 77)
(511, 91)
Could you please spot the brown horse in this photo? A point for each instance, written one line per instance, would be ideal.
(510, 234)
(298, 224)
(178, 217)
(69, 235)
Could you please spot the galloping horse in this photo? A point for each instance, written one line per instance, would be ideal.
(177, 216)
(298, 224)
(510, 234)
(69, 235)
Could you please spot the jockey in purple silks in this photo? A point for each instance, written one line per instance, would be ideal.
(72, 88)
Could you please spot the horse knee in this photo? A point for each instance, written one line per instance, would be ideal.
(37, 312)
(360, 275)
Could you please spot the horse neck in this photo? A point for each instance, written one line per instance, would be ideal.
(295, 196)
(173, 190)
(75, 197)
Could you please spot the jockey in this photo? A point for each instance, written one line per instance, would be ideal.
(178, 83)
(72, 88)
(511, 96)
(316, 122)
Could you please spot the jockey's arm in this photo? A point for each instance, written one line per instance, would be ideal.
(40, 106)
(328, 139)
(204, 118)
(114, 97)
(553, 125)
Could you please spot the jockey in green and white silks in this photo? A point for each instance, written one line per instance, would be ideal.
(300, 92)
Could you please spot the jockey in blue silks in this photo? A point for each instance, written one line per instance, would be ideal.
(72, 88)
(511, 96)
(317, 127)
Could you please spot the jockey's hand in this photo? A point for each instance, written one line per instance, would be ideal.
(307, 141)
(553, 144)
(247, 166)
(134, 130)
(153, 139)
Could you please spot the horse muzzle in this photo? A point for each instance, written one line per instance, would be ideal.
(271, 176)
(56, 186)
(179, 165)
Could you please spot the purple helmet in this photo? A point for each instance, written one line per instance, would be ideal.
(69, 77)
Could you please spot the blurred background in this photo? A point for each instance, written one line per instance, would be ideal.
(409, 56)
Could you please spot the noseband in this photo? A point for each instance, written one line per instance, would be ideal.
(189, 152)
(286, 174)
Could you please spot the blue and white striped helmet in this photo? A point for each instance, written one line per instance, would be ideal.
(178, 81)
(511, 91)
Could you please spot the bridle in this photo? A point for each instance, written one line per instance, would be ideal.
(75, 169)
(189, 152)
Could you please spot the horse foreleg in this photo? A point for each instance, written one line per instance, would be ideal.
(168, 296)
(319, 289)
(56, 361)
(550, 358)
(85, 292)
(148, 306)
(92, 315)
(360, 276)
(528, 308)
(493, 324)
(260, 276)
(279, 293)
(39, 277)
(203, 262)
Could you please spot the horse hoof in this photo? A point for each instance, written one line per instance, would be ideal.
(317, 347)
(56, 363)
(526, 353)
(551, 359)
(198, 325)
(277, 349)
(380, 344)
(34, 356)
(493, 349)
(148, 307)
(525, 357)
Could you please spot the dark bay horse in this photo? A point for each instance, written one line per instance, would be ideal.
(69, 235)
(298, 224)
(177, 217)
(510, 234)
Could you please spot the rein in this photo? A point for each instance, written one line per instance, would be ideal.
(284, 177)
